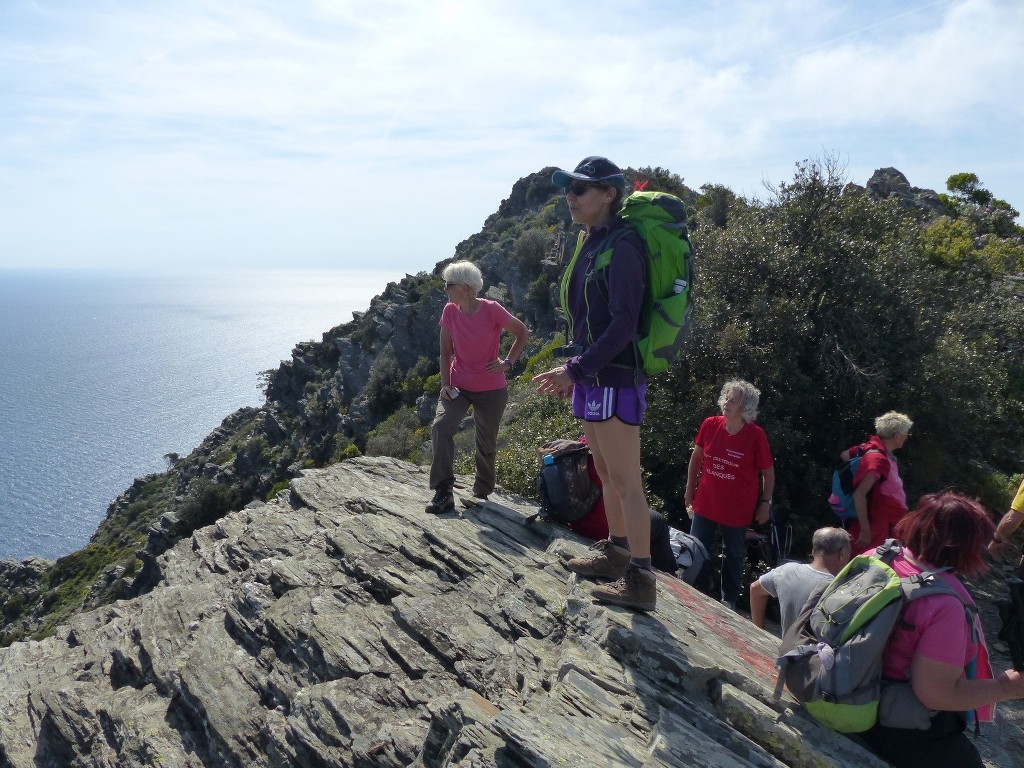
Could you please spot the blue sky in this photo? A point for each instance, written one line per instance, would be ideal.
(337, 134)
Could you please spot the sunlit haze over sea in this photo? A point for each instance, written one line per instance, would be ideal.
(103, 374)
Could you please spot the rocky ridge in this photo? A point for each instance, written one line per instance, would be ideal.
(339, 625)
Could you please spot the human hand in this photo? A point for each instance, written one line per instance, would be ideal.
(996, 548)
(557, 382)
(862, 543)
(764, 514)
(689, 510)
(448, 392)
(1012, 683)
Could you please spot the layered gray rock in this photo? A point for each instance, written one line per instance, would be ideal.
(342, 626)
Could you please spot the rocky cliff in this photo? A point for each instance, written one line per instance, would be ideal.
(340, 625)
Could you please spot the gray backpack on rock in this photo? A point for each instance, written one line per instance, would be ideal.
(831, 657)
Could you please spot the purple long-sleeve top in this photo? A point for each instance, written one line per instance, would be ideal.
(606, 326)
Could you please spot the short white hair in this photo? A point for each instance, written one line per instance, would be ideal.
(891, 424)
(464, 272)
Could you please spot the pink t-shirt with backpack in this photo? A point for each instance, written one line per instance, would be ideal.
(935, 627)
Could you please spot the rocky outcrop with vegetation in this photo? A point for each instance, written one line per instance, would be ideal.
(340, 625)
(839, 301)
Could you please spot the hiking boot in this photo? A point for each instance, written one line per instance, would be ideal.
(609, 564)
(637, 589)
(443, 501)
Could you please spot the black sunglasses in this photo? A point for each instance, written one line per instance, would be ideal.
(579, 188)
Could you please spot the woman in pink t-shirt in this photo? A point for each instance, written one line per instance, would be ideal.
(471, 375)
(932, 644)
(878, 488)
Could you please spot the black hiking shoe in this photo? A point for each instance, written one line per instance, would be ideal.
(443, 501)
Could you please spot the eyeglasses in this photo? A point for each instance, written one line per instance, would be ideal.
(452, 285)
(579, 188)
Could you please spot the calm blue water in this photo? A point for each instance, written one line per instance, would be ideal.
(101, 375)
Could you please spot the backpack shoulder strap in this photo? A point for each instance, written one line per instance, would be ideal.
(887, 550)
(607, 248)
(563, 288)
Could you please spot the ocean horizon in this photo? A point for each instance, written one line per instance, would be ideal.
(105, 373)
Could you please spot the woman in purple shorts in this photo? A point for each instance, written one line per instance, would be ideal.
(602, 294)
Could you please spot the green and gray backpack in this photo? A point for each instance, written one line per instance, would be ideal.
(831, 657)
(660, 220)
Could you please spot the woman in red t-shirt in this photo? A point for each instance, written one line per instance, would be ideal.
(730, 480)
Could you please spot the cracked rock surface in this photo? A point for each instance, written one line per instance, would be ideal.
(340, 625)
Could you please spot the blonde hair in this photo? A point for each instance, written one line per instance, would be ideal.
(891, 424)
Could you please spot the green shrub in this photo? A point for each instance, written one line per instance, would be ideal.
(396, 436)
(206, 503)
(277, 488)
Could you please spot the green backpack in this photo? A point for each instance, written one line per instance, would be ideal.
(660, 220)
(831, 657)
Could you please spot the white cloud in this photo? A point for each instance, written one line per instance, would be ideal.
(256, 133)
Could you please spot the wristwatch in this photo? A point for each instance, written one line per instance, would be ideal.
(507, 363)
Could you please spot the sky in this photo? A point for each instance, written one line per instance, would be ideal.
(340, 134)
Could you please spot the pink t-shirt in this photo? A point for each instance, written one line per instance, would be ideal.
(934, 627)
(729, 483)
(475, 340)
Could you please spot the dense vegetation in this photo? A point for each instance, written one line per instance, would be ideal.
(839, 307)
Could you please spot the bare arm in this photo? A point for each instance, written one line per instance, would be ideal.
(860, 502)
(943, 686)
(445, 360)
(521, 333)
(692, 473)
(764, 509)
(1007, 525)
(758, 603)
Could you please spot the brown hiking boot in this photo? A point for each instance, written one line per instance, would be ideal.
(609, 564)
(637, 589)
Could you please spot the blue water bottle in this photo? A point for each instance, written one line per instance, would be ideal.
(553, 488)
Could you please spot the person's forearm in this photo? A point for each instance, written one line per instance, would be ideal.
(758, 604)
(861, 505)
(965, 695)
(1009, 523)
(768, 483)
(691, 476)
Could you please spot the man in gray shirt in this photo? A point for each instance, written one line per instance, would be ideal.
(791, 583)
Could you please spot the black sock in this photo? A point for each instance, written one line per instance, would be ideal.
(619, 541)
(641, 562)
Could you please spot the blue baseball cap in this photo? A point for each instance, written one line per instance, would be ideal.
(593, 168)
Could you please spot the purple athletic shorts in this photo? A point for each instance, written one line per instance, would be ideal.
(593, 403)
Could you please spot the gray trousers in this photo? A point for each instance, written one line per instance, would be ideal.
(487, 410)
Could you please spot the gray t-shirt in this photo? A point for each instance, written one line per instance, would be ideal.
(791, 583)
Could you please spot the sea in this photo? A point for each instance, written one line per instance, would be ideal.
(103, 374)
